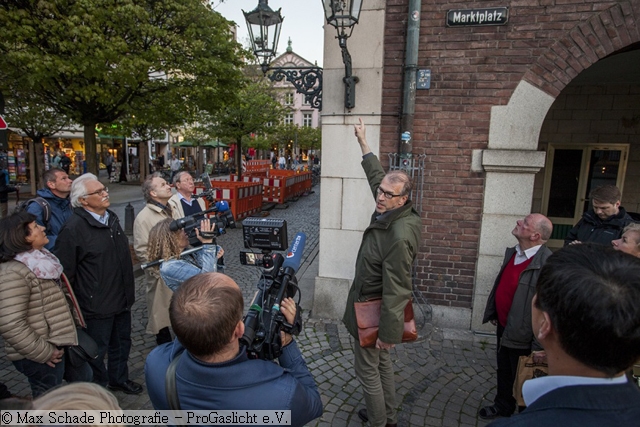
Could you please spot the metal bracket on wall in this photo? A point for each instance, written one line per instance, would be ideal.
(414, 166)
(306, 80)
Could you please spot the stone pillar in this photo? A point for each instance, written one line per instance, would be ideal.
(510, 162)
(346, 202)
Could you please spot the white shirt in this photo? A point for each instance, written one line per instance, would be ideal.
(522, 256)
(175, 164)
(188, 201)
(534, 389)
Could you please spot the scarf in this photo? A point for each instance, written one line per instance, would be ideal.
(42, 263)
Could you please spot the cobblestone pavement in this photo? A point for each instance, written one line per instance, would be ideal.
(441, 380)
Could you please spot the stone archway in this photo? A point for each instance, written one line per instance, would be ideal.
(511, 158)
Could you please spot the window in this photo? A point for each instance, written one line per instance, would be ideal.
(288, 98)
(307, 120)
(288, 119)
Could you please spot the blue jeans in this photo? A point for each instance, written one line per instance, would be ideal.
(113, 336)
(41, 376)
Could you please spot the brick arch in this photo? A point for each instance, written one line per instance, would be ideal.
(603, 34)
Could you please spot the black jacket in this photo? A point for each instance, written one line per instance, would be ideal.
(97, 260)
(591, 228)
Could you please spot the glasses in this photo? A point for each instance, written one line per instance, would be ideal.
(100, 191)
(387, 195)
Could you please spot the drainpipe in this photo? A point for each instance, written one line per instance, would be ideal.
(405, 145)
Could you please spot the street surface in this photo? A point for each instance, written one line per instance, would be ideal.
(441, 380)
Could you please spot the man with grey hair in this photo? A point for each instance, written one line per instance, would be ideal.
(182, 204)
(509, 307)
(156, 192)
(94, 252)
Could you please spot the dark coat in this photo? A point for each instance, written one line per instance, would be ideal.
(518, 332)
(97, 260)
(581, 406)
(383, 266)
(591, 228)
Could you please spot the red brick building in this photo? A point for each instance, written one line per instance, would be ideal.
(526, 116)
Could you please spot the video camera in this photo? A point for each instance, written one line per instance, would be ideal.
(264, 321)
(222, 219)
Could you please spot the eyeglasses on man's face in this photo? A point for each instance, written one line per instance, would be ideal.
(104, 190)
(387, 194)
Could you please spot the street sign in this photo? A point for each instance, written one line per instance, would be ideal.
(3, 124)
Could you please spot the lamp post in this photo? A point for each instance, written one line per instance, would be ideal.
(264, 25)
(343, 15)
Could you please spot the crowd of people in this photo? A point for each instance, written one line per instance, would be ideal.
(67, 272)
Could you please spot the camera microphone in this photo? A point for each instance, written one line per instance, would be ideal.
(290, 266)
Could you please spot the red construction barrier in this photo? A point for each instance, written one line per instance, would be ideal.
(283, 185)
(245, 198)
(258, 166)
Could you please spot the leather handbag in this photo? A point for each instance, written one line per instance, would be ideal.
(86, 350)
(368, 319)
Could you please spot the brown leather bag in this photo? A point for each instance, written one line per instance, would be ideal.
(368, 319)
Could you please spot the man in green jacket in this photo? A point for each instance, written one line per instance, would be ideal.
(383, 269)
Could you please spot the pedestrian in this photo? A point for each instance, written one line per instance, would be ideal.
(5, 189)
(281, 162)
(174, 165)
(65, 162)
(55, 193)
(214, 370)
(94, 252)
(108, 161)
(385, 273)
(605, 220)
(156, 192)
(586, 315)
(508, 307)
(36, 321)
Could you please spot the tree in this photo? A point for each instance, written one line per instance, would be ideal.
(91, 59)
(36, 121)
(310, 138)
(253, 110)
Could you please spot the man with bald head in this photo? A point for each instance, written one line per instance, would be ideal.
(212, 368)
(509, 307)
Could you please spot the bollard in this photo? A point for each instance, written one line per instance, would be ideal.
(129, 216)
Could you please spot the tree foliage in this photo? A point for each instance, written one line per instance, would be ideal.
(252, 112)
(90, 60)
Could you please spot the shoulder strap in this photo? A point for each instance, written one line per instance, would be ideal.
(170, 384)
(44, 205)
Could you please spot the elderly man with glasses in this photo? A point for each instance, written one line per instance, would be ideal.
(94, 252)
(383, 269)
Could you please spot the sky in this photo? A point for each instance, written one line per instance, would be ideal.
(303, 21)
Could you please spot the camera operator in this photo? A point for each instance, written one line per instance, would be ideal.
(214, 373)
(167, 245)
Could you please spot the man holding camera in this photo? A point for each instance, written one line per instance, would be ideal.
(156, 192)
(383, 269)
(212, 370)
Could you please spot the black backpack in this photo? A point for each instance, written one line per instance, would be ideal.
(44, 205)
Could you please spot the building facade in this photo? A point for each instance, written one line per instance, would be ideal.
(525, 116)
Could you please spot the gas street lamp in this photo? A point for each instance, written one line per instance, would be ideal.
(264, 30)
(343, 15)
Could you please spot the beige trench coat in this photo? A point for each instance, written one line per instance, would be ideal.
(158, 294)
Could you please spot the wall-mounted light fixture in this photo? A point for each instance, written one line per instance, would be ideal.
(343, 15)
(264, 30)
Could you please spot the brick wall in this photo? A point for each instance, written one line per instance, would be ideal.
(546, 42)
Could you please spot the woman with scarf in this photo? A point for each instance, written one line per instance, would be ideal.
(36, 321)
(168, 245)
